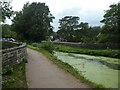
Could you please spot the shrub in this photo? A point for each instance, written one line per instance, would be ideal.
(36, 45)
(7, 70)
(48, 45)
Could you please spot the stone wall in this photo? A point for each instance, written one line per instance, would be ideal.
(13, 56)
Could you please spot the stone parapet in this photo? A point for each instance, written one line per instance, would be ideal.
(13, 56)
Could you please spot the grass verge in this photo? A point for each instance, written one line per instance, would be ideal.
(14, 77)
(66, 67)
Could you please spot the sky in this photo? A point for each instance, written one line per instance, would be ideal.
(90, 11)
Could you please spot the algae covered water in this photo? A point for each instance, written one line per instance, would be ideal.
(92, 70)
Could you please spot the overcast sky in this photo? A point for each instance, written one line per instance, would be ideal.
(90, 11)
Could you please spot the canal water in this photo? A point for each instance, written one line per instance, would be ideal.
(91, 68)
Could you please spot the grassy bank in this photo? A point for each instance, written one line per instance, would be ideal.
(65, 66)
(107, 52)
(14, 77)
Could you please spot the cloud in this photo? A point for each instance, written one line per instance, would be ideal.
(93, 17)
(67, 12)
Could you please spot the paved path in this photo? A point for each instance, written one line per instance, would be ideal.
(42, 73)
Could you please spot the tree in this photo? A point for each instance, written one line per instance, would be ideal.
(110, 31)
(6, 31)
(87, 33)
(69, 23)
(93, 33)
(71, 30)
(81, 33)
(33, 22)
(6, 10)
(67, 26)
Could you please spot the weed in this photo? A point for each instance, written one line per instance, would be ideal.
(14, 77)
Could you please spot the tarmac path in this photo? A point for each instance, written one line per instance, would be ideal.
(43, 73)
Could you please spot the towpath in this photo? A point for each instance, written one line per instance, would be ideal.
(43, 73)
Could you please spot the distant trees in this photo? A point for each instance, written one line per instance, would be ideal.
(6, 31)
(110, 31)
(33, 22)
(71, 30)
(69, 23)
(67, 26)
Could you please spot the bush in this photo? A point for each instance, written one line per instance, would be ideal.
(36, 45)
(48, 45)
(7, 70)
